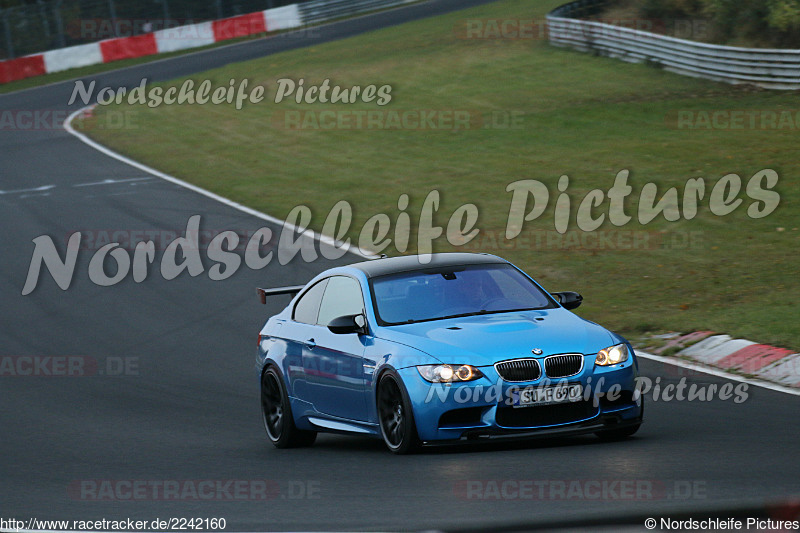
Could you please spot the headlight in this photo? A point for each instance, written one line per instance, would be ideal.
(612, 355)
(449, 373)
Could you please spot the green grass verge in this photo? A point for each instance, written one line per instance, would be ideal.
(584, 116)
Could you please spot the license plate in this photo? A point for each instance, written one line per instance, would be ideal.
(548, 395)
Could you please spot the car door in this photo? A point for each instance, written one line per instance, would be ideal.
(333, 363)
(298, 332)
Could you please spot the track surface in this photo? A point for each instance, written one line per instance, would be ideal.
(190, 410)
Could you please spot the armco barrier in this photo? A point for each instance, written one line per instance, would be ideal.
(189, 36)
(769, 68)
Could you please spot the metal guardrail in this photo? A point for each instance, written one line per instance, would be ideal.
(322, 10)
(769, 68)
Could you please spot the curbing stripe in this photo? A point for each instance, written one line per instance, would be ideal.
(718, 373)
(778, 365)
(786, 371)
(707, 344)
(719, 353)
(679, 341)
(753, 358)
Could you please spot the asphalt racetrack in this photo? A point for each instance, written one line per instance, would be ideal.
(172, 396)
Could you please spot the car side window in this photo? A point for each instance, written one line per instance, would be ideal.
(307, 307)
(342, 297)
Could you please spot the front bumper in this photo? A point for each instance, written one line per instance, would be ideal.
(482, 408)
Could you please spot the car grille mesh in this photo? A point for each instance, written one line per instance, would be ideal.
(562, 366)
(519, 370)
(546, 415)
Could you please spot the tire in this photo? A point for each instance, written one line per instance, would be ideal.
(621, 433)
(395, 415)
(276, 412)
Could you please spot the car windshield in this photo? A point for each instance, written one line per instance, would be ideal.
(456, 291)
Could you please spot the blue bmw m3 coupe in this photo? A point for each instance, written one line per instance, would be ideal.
(440, 348)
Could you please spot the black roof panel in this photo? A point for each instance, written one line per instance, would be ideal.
(408, 263)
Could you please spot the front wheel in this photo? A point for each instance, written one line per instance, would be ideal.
(396, 417)
(277, 414)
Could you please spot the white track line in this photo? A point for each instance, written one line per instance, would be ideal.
(717, 372)
(324, 239)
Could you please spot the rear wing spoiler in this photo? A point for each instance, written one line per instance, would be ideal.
(263, 293)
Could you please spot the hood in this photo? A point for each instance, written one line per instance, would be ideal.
(486, 339)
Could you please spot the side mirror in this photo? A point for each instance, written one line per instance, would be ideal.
(348, 324)
(568, 299)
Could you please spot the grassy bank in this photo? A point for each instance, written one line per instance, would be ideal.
(583, 116)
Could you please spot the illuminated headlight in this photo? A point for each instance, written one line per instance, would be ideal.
(612, 355)
(449, 373)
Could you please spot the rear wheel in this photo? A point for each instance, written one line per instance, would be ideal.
(277, 414)
(396, 417)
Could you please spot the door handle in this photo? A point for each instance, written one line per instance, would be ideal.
(311, 344)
